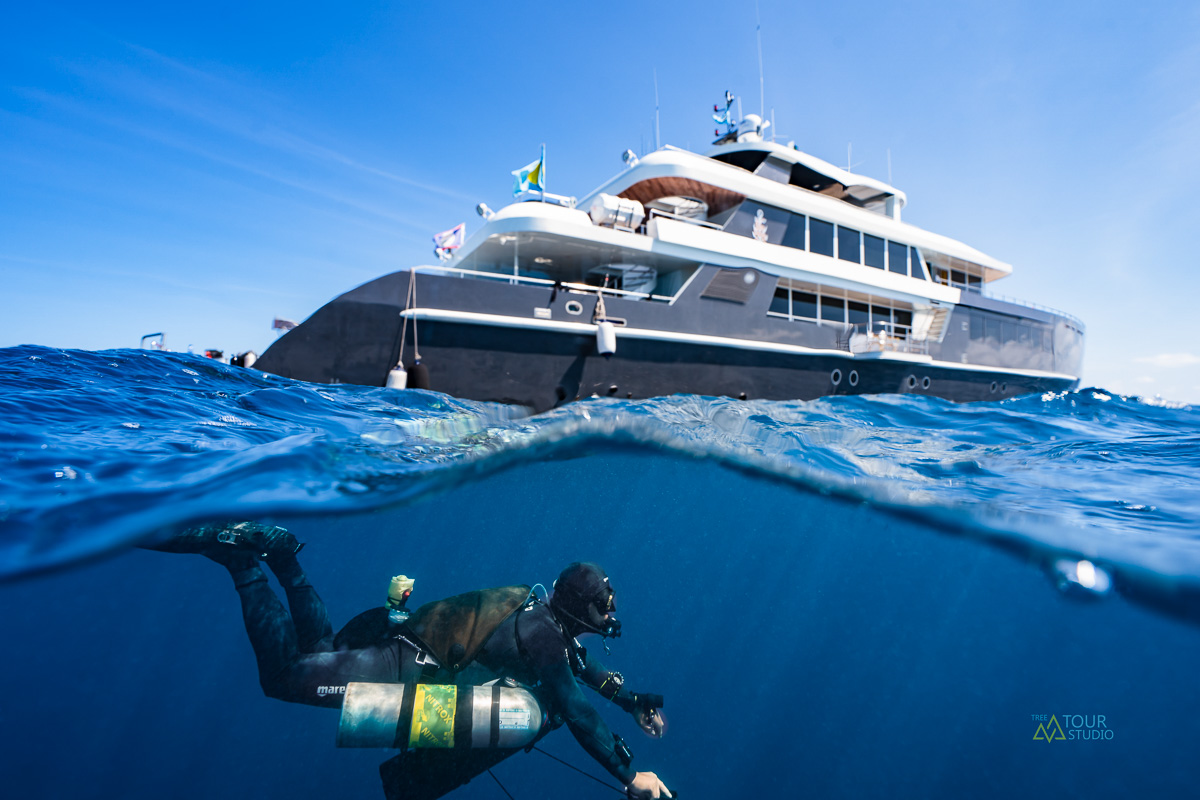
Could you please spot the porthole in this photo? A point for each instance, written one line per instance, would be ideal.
(1004, 387)
(993, 387)
(925, 382)
(853, 378)
(574, 307)
(912, 381)
(836, 376)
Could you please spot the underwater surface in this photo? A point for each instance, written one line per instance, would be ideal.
(868, 596)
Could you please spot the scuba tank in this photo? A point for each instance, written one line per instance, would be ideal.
(402, 716)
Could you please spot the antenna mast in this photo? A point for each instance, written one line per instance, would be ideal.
(657, 138)
(762, 102)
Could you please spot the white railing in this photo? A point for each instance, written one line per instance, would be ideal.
(888, 337)
(1038, 306)
(579, 288)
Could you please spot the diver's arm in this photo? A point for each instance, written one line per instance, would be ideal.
(584, 721)
(611, 686)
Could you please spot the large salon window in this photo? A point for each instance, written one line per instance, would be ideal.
(804, 305)
(897, 258)
(849, 247)
(872, 251)
(833, 309)
(820, 236)
(859, 314)
(757, 221)
(795, 235)
(918, 269)
(779, 303)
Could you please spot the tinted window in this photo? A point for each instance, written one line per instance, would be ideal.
(917, 271)
(976, 327)
(897, 258)
(991, 329)
(775, 169)
(858, 314)
(779, 303)
(872, 251)
(767, 221)
(833, 309)
(903, 318)
(820, 236)
(804, 305)
(794, 237)
(880, 314)
(848, 247)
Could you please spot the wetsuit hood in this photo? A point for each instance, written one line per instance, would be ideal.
(582, 596)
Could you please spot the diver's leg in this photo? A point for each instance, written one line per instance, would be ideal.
(314, 631)
(270, 629)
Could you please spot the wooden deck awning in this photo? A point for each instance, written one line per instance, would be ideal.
(718, 199)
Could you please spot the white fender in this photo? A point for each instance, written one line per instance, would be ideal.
(397, 378)
(606, 338)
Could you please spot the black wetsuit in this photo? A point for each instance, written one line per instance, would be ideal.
(298, 662)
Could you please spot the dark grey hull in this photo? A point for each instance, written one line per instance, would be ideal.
(356, 339)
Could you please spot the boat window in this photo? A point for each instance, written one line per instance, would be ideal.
(797, 233)
(775, 169)
(820, 236)
(810, 179)
(833, 309)
(867, 313)
(918, 268)
(897, 258)
(859, 314)
(974, 283)
(757, 221)
(746, 159)
(872, 251)
(991, 329)
(849, 245)
(958, 278)
(804, 305)
(779, 303)
(976, 326)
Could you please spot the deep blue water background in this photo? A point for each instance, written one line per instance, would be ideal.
(849, 597)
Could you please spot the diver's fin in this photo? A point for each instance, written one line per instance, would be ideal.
(430, 774)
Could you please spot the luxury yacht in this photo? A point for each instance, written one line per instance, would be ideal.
(752, 271)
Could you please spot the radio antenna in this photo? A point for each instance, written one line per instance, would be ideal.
(657, 136)
(762, 102)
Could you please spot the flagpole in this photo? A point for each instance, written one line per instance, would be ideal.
(542, 172)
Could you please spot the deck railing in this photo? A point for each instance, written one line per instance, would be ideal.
(882, 338)
(578, 288)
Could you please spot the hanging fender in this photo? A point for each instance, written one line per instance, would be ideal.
(606, 338)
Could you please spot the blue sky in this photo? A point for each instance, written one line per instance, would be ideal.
(200, 169)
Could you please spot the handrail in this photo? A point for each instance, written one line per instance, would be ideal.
(583, 288)
(860, 338)
(703, 223)
(1038, 306)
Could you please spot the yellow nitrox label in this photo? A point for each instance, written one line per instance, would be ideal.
(433, 716)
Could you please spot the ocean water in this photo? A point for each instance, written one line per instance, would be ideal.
(851, 597)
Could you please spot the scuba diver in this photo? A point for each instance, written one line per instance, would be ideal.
(507, 636)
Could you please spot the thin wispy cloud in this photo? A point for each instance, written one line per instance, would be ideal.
(181, 144)
(255, 118)
(1170, 360)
